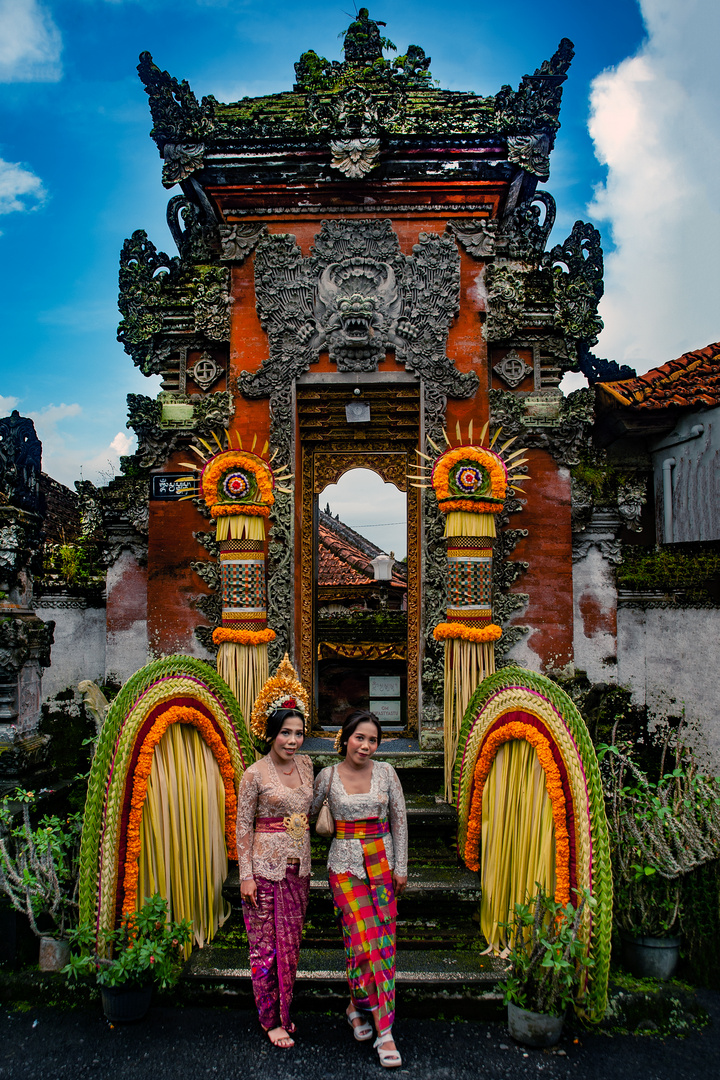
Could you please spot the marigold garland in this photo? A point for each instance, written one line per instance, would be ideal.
(283, 684)
(239, 510)
(237, 459)
(445, 631)
(487, 459)
(553, 782)
(469, 506)
(243, 637)
(175, 714)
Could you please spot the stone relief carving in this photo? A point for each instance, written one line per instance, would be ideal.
(632, 496)
(577, 266)
(197, 238)
(179, 120)
(597, 370)
(159, 294)
(564, 438)
(476, 235)
(354, 158)
(155, 442)
(531, 153)
(523, 233)
(512, 369)
(358, 296)
(239, 239)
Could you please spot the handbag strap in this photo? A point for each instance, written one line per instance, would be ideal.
(326, 800)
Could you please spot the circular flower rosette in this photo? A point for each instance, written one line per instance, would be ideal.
(238, 479)
(471, 473)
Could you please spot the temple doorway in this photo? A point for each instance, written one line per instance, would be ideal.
(359, 606)
(362, 601)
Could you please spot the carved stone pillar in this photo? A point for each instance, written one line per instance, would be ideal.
(596, 551)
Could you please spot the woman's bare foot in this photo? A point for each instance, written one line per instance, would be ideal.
(279, 1037)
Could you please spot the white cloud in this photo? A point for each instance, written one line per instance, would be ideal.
(373, 508)
(69, 451)
(654, 124)
(7, 404)
(20, 189)
(30, 43)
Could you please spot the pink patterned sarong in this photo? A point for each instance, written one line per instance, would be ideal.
(274, 930)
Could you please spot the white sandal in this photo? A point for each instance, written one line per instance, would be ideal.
(389, 1059)
(362, 1032)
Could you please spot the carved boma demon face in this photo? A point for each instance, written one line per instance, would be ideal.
(356, 309)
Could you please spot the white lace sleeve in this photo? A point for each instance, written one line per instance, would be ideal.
(247, 807)
(322, 786)
(398, 822)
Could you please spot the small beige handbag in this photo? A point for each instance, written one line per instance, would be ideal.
(325, 824)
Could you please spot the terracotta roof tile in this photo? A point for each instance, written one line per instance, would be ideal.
(691, 380)
(341, 563)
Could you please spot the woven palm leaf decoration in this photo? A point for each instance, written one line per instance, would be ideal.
(238, 488)
(515, 704)
(471, 482)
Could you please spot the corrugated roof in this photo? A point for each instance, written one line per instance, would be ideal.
(691, 380)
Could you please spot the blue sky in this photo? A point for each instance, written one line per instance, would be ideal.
(638, 153)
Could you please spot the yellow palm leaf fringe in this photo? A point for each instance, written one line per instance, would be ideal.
(467, 663)
(183, 855)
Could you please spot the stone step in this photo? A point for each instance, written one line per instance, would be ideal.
(415, 967)
(452, 884)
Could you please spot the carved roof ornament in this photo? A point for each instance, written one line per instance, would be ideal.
(354, 157)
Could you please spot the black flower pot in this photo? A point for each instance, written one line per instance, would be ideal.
(123, 1004)
(649, 957)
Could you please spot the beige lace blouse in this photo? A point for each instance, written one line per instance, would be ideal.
(384, 800)
(262, 794)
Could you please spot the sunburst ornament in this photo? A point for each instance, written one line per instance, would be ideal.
(471, 480)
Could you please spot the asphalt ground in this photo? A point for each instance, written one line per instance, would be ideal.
(191, 1042)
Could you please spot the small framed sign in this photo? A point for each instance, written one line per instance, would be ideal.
(168, 486)
(387, 712)
(385, 686)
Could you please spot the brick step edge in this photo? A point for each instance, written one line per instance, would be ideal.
(414, 967)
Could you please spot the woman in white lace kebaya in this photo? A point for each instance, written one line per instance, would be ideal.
(367, 870)
(273, 841)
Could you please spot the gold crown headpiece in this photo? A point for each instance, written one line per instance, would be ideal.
(283, 690)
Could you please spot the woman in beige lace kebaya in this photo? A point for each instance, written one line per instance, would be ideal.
(367, 866)
(273, 841)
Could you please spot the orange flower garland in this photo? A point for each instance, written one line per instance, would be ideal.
(469, 506)
(487, 459)
(236, 459)
(553, 783)
(239, 510)
(445, 631)
(243, 637)
(175, 714)
(284, 683)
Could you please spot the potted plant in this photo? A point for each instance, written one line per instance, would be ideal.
(659, 832)
(549, 965)
(147, 951)
(39, 872)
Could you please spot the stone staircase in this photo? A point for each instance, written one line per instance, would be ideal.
(439, 961)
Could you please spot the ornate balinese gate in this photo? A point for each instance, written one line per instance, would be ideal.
(330, 447)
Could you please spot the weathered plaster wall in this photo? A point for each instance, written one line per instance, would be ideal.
(667, 657)
(548, 579)
(595, 552)
(127, 631)
(78, 651)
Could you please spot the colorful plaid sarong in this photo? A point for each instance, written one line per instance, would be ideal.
(369, 942)
(371, 832)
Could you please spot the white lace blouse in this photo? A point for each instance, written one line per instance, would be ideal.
(384, 800)
(262, 794)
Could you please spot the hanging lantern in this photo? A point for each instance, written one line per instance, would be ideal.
(238, 488)
(471, 484)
